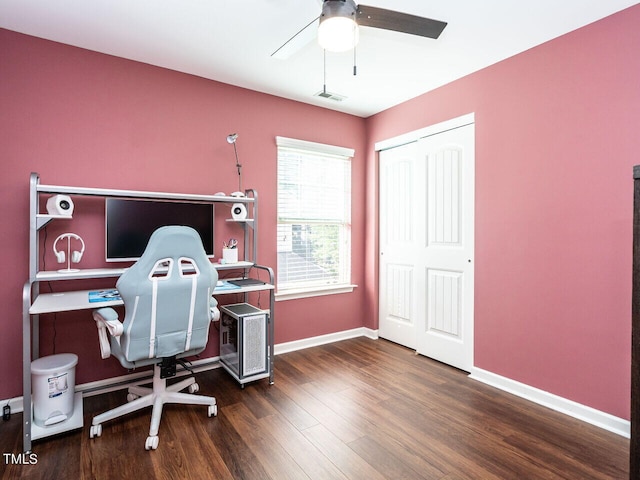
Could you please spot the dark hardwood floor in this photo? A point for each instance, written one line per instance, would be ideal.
(357, 409)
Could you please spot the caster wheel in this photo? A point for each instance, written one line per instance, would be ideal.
(194, 387)
(151, 443)
(95, 431)
(131, 397)
(213, 410)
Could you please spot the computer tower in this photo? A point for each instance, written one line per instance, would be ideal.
(243, 341)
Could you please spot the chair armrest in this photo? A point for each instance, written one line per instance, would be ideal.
(107, 320)
(214, 313)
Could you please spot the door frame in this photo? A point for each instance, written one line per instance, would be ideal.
(416, 135)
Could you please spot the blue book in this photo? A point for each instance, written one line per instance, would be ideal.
(225, 285)
(104, 296)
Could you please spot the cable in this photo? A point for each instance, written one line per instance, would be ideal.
(55, 331)
(259, 292)
(44, 249)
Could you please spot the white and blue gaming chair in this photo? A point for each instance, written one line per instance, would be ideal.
(168, 311)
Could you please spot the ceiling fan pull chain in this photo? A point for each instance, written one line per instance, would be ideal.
(324, 72)
(355, 68)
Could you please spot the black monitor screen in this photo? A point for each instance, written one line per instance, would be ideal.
(130, 223)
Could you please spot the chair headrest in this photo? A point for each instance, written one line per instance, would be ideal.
(173, 242)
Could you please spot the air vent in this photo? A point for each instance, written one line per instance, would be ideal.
(330, 96)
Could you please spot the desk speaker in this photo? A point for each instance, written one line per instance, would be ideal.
(60, 205)
(238, 211)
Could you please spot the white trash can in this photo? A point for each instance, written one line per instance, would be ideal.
(53, 382)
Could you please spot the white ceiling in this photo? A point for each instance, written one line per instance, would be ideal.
(231, 41)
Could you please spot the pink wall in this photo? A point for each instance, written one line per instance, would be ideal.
(556, 139)
(85, 119)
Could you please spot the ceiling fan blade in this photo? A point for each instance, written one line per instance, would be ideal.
(399, 22)
(301, 38)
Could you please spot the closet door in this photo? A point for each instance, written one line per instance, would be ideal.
(445, 330)
(426, 245)
(401, 234)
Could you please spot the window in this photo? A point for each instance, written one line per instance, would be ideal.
(314, 218)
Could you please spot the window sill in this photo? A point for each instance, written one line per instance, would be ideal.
(314, 292)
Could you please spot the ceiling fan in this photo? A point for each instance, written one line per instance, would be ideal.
(341, 19)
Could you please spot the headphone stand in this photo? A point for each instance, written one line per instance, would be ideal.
(68, 269)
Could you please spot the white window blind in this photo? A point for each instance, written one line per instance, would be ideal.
(314, 215)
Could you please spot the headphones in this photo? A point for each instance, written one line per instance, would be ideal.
(76, 255)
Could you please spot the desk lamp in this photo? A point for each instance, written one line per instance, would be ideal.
(231, 138)
(238, 210)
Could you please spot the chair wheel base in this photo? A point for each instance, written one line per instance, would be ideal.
(95, 431)
(151, 443)
(213, 410)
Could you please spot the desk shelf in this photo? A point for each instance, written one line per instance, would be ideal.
(233, 266)
(35, 303)
(146, 195)
(93, 273)
(82, 274)
(244, 220)
(79, 299)
(42, 219)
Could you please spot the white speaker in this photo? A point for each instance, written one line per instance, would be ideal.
(60, 205)
(238, 211)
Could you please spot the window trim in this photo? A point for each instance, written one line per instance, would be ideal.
(315, 147)
(294, 294)
(327, 150)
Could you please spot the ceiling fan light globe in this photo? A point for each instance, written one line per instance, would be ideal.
(338, 34)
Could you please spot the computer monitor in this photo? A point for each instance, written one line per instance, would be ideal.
(129, 224)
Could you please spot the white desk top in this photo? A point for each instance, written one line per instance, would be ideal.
(67, 301)
(79, 300)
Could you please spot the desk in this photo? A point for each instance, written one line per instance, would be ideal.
(35, 303)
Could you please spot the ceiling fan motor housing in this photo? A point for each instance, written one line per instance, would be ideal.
(338, 8)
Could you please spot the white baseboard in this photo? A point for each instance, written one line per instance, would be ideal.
(324, 339)
(568, 407)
